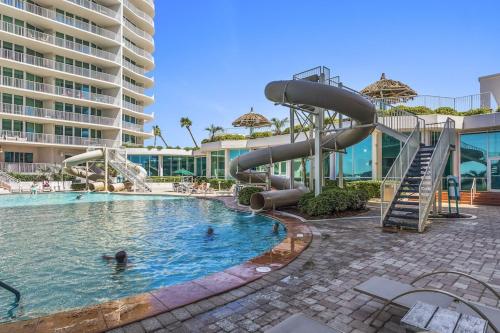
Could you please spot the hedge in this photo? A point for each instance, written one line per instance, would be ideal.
(333, 200)
(223, 137)
(256, 135)
(225, 184)
(23, 177)
(246, 193)
(164, 179)
(371, 187)
(78, 187)
(445, 110)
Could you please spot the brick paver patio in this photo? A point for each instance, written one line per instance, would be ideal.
(347, 252)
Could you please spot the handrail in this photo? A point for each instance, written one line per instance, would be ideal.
(455, 298)
(395, 176)
(473, 190)
(434, 170)
(12, 290)
(487, 286)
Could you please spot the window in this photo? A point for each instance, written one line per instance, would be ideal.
(218, 164)
(357, 162)
(201, 166)
(17, 157)
(148, 162)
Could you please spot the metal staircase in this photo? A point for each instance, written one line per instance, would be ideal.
(408, 189)
(9, 183)
(129, 170)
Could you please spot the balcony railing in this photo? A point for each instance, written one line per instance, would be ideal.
(53, 15)
(134, 68)
(139, 12)
(19, 137)
(133, 87)
(51, 39)
(95, 7)
(460, 104)
(58, 66)
(133, 107)
(137, 50)
(55, 90)
(26, 167)
(133, 127)
(139, 32)
(31, 111)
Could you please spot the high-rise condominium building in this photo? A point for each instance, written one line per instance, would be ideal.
(74, 74)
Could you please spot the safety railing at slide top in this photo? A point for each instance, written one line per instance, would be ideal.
(119, 161)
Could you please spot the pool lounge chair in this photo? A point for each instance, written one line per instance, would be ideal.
(407, 295)
(299, 323)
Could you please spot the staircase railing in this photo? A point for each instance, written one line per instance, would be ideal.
(434, 170)
(127, 169)
(9, 182)
(392, 182)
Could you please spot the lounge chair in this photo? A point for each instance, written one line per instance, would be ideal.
(299, 323)
(407, 295)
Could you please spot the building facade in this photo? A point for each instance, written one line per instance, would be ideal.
(73, 74)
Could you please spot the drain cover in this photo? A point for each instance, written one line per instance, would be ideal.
(263, 269)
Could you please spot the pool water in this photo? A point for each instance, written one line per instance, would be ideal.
(51, 246)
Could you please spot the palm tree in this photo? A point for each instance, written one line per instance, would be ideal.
(186, 122)
(278, 125)
(157, 133)
(213, 130)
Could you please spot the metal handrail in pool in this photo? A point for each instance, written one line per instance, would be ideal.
(12, 290)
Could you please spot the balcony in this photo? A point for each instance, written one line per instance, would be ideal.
(134, 68)
(31, 168)
(54, 16)
(7, 81)
(132, 126)
(139, 32)
(53, 40)
(58, 66)
(138, 12)
(135, 88)
(95, 7)
(30, 111)
(43, 138)
(133, 107)
(137, 50)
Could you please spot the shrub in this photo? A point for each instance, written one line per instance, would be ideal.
(333, 200)
(224, 137)
(159, 147)
(370, 187)
(164, 179)
(419, 110)
(225, 184)
(150, 147)
(78, 187)
(474, 112)
(246, 193)
(445, 110)
(256, 135)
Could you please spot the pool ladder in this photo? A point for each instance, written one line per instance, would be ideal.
(12, 290)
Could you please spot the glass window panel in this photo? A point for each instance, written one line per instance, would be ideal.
(18, 126)
(7, 124)
(473, 158)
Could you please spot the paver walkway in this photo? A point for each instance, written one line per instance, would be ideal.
(348, 252)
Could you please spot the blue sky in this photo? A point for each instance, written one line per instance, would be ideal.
(214, 58)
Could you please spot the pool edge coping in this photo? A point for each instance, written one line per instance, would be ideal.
(109, 315)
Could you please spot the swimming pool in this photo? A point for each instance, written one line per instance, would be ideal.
(52, 246)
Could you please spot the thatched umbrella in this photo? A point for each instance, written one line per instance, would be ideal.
(251, 120)
(392, 90)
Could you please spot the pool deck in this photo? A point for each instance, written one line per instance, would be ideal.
(175, 299)
(344, 253)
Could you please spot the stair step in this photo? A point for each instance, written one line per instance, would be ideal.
(391, 223)
(404, 209)
(407, 196)
(406, 203)
(407, 216)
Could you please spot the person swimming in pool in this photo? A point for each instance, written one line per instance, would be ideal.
(210, 231)
(276, 227)
(79, 196)
(120, 257)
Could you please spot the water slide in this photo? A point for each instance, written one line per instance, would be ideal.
(307, 94)
(71, 167)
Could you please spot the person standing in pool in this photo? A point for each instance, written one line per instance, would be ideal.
(276, 227)
(120, 257)
(210, 231)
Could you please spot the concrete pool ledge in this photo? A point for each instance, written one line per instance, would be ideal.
(109, 315)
